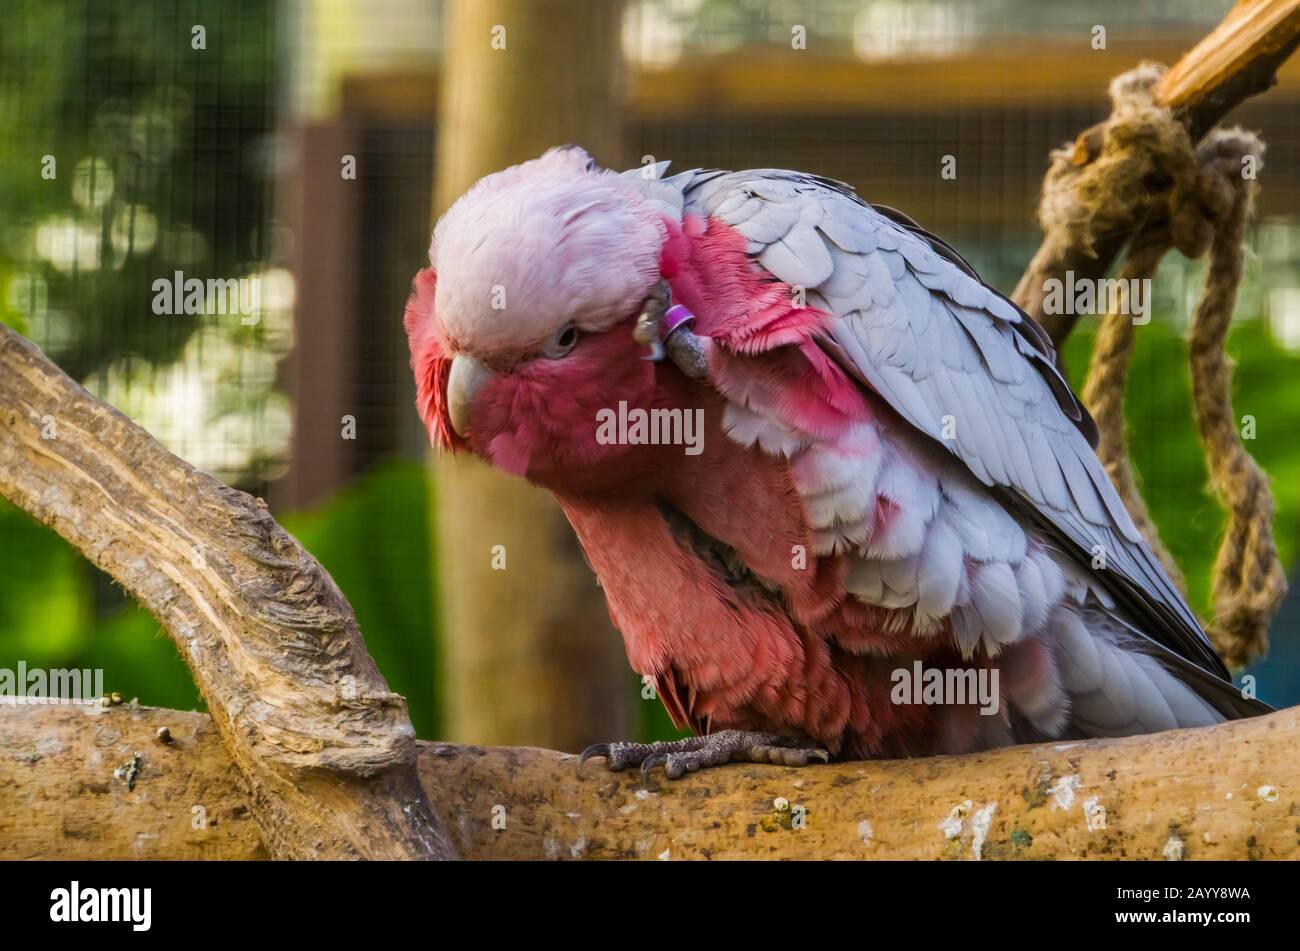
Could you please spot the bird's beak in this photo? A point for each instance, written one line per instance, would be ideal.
(466, 379)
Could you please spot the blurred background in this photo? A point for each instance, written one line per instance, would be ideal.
(308, 146)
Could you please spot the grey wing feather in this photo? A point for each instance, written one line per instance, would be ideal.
(914, 323)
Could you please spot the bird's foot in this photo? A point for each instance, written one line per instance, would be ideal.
(679, 757)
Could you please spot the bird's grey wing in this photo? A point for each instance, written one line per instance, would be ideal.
(961, 364)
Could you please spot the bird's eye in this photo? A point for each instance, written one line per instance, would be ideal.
(563, 342)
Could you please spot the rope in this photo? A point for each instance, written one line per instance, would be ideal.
(1103, 395)
(1195, 199)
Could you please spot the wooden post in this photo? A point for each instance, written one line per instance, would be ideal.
(529, 653)
(323, 209)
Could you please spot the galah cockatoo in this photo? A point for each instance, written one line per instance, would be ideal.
(890, 478)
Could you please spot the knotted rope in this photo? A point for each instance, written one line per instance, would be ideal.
(1193, 198)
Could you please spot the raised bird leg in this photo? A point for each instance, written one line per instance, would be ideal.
(679, 757)
(665, 329)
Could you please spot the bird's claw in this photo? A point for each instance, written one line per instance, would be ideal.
(679, 757)
(591, 752)
(648, 331)
(649, 763)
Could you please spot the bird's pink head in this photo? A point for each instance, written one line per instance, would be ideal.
(521, 329)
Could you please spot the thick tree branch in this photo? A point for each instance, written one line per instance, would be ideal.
(59, 796)
(1237, 60)
(1223, 792)
(326, 753)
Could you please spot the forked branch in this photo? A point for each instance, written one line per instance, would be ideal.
(325, 752)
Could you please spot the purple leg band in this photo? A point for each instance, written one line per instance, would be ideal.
(674, 318)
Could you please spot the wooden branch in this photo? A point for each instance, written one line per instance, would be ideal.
(1223, 792)
(1237, 60)
(325, 752)
(59, 796)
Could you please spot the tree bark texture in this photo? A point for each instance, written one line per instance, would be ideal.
(325, 752)
(1221, 792)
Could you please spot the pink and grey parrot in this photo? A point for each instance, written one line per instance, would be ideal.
(893, 475)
